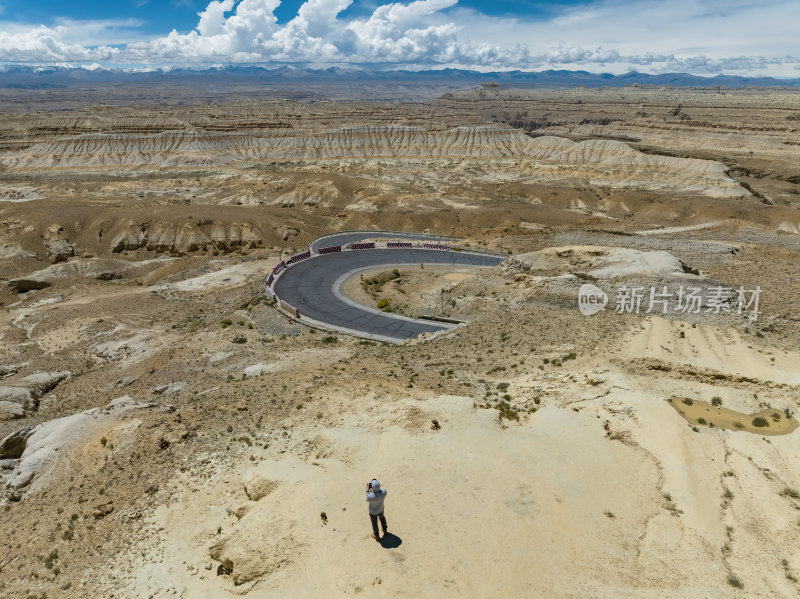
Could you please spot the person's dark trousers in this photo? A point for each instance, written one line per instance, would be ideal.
(375, 523)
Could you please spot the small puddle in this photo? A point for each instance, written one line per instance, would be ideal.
(701, 413)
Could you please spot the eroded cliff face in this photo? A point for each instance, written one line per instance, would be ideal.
(755, 132)
(266, 134)
(249, 174)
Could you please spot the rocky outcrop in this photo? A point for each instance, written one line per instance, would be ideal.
(235, 235)
(59, 250)
(8, 251)
(165, 237)
(103, 269)
(323, 193)
(39, 451)
(26, 284)
(262, 542)
(21, 396)
(10, 410)
(9, 369)
(175, 238)
(287, 232)
(257, 485)
(27, 392)
(9, 193)
(13, 446)
(102, 510)
(108, 275)
(44, 382)
(129, 239)
(169, 388)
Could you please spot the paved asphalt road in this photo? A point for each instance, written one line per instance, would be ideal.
(309, 286)
(346, 237)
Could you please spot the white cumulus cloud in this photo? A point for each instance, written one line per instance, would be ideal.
(700, 36)
(44, 44)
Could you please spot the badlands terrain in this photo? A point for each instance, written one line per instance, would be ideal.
(166, 432)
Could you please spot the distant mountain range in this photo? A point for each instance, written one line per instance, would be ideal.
(29, 77)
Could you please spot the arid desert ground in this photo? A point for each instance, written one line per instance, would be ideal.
(166, 432)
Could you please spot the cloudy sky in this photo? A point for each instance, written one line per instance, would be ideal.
(705, 37)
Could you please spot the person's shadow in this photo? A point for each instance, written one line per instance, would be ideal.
(390, 541)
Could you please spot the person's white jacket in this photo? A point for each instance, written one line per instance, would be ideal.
(375, 498)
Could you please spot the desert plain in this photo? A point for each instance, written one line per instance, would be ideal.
(167, 432)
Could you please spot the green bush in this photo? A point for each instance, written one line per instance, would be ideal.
(735, 582)
(789, 492)
(716, 401)
(507, 411)
(50, 560)
(383, 303)
(240, 339)
(760, 422)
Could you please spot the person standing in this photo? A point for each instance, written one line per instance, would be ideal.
(375, 498)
